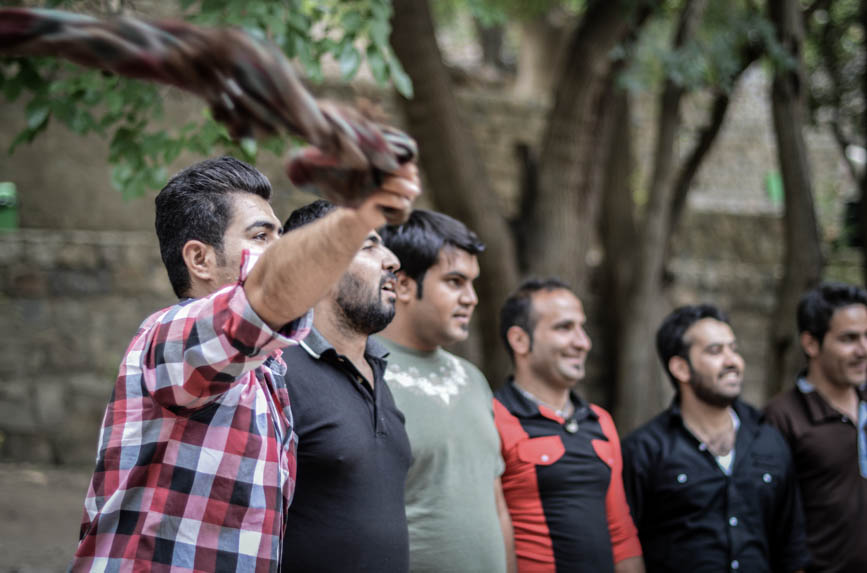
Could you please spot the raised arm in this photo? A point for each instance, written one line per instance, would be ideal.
(294, 273)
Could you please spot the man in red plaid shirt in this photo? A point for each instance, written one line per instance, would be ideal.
(196, 462)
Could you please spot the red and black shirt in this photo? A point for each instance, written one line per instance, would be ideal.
(563, 485)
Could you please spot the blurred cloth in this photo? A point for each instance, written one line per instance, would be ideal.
(249, 85)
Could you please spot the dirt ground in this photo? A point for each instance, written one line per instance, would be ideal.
(40, 512)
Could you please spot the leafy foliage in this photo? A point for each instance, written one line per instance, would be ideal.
(711, 60)
(88, 101)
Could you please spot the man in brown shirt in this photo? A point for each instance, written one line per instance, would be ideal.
(824, 419)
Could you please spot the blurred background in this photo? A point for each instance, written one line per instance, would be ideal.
(651, 153)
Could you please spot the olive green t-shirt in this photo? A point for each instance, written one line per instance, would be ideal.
(450, 503)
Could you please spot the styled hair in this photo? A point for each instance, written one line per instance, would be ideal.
(518, 308)
(307, 214)
(195, 205)
(417, 242)
(670, 335)
(817, 306)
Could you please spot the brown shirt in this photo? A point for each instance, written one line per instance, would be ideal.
(824, 444)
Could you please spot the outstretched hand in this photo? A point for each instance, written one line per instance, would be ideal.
(391, 203)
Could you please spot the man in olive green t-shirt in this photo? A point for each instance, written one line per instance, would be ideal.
(458, 519)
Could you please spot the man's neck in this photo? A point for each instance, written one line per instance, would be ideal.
(552, 396)
(712, 425)
(841, 397)
(347, 342)
(403, 332)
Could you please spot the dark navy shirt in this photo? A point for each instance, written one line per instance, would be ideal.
(353, 456)
(691, 516)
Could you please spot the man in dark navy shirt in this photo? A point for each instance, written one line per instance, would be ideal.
(353, 452)
(712, 487)
(562, 480)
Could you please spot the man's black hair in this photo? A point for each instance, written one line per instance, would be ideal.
(307, 214)
(670, 335)
(417, 242)
(195, 205)
(817, 306)
(518, 308)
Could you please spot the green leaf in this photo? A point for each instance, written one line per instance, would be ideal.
(349, 60)
(377, 64)
(37, 115)
(400, 79)
(249, 147)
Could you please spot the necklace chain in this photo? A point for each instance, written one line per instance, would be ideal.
(564, 412)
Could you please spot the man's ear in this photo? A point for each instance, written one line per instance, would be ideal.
(200, 258)
(810, 345)
(519, 340)
(406, 288)
(679, 368)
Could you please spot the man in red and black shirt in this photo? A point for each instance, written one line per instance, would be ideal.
(562, 480)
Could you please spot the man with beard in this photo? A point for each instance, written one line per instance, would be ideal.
(562, 481)
(458, 520)
(353, 452)
(712, 487)
(824, 419)
(196, 463)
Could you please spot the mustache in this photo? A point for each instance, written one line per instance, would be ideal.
(387, 276)
(728, 369)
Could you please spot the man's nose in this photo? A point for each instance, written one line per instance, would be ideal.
(390, 262)
(582, 339)
(469, 296)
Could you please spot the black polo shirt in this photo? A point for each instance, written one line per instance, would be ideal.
(353, 455)
(691, 516)
(824, 445)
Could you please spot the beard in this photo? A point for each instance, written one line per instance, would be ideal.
(362, 308)
(705, 391)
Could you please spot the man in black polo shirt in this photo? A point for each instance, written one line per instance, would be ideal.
(824, 419)
(353, 452)
(712, 487)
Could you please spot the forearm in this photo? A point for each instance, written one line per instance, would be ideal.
(506, 527)
(630, 565)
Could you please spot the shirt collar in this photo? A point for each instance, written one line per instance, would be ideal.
(316, 345)
(523, 407)
(738, 411)
(817, 407)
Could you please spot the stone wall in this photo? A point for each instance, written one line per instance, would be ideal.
(70, 302)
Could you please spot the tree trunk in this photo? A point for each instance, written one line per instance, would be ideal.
(862, 180)
(803, 257)
(454, 171)
(638, 376)
(562, 221)
(617, 232)
(543, 42)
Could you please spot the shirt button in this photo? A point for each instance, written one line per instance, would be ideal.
(766, 478)
(681, 478)
(544, 457)
(733, 521)
(702, 447)
(736, 564)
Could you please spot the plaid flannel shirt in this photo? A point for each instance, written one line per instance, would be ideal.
(196, 463)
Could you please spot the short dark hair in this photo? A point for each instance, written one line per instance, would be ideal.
(518, 308)
(670, 335)
(417, 242)
(307, 214)
(195, 205)
(818, 305)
